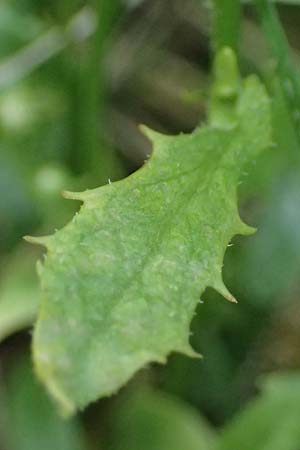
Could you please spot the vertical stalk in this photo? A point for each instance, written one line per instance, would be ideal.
(93, 154)
(280, 49)
(226, 24)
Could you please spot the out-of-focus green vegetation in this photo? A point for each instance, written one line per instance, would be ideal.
(31, 421)
(74, 83)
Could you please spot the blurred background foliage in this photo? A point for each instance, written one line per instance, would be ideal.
(75, 81)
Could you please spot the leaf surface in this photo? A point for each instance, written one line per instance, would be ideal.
(122, 280)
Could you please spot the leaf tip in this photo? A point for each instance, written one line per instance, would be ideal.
(189, 351)
(222, 289)
(69, 195)
(245, 229)
(161, 359)
(66, 407)
(37, 240)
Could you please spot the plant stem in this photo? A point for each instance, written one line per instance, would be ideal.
(280, 49)
(226, 24)
(95, 156)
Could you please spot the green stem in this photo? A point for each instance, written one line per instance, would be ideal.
(94, 155)
(280, 49)
(95, 86)
(226, 24)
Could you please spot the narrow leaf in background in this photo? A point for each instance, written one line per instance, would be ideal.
(287, 73)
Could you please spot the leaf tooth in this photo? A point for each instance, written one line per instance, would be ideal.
(38, 240)
(81, 196)
(220, 287)
(189, 351)
(152, 135)
(161, 359)
(245, 229)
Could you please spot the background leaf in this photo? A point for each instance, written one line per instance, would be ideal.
(19, 294)
(32, 420)
(270, 422)
(151, 420)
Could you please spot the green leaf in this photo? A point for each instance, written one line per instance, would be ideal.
(270, 422)
(32, 420)
(281, 51)
(121, 281)
(173, 424)
(19, 294)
